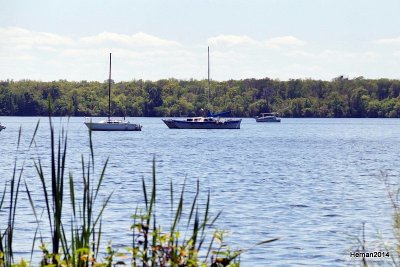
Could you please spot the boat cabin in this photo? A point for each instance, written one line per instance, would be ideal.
(272, 114)
(200, 119)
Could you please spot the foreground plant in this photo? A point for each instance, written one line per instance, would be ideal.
(11, 191)
(385, 252)
(182, 244)
(81, 246)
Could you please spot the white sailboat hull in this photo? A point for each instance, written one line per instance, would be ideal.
(113, 126)
(110, 124)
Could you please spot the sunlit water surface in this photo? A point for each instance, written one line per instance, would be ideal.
(310, 182)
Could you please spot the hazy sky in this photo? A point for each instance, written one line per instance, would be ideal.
(156, 39)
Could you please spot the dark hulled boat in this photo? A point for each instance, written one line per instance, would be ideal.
(212, 121)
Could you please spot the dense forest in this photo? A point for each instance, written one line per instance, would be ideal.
(340, 97)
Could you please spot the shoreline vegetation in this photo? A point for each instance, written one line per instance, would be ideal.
(300, 98)
(73, 237)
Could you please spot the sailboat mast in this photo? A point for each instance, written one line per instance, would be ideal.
(109, 91)
(208, 76)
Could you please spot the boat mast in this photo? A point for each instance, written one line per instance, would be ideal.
(109, 91)
(208, 77)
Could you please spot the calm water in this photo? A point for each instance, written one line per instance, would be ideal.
(310, 182)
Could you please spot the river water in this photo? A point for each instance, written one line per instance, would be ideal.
(312, 183)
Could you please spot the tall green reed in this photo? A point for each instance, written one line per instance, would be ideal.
(87, 224)
(11, 190)
(81, 245)
(6, 235)
(182, 244)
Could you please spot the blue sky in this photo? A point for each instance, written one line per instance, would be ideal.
(156, 39)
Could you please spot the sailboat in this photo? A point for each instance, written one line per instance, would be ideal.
(112, 124)
(212, 121)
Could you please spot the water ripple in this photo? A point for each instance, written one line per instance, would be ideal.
(310, 182)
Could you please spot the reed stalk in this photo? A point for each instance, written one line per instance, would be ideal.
(180, 245)
(6, 235)
(11, 190)
(170, 248)
(82, 244)
(173, 248)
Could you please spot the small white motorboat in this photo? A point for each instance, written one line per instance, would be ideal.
(268, 117)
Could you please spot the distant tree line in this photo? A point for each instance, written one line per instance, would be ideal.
(341, 97)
